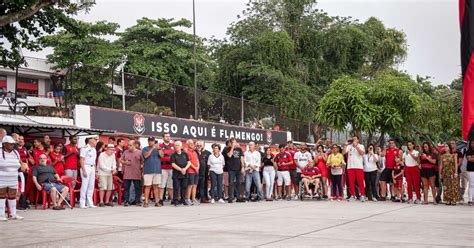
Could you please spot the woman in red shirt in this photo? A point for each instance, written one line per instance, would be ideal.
(321, 157)
(428, 173)
(57, 159)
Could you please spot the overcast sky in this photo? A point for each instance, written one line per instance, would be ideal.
(432, 27)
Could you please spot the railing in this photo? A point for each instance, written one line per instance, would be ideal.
(147, 95)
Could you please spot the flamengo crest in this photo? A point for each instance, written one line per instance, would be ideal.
(139, 123)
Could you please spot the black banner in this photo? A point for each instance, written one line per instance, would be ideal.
(154, 125)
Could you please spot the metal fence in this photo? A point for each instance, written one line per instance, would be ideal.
(148, 95)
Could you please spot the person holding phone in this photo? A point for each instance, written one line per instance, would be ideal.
(370, 173)
(355, 167)
(320, 160)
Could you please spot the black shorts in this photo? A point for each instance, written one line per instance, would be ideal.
(386, 175)
(298, 178)
(293, 176)
(193, 179)
(428, 172)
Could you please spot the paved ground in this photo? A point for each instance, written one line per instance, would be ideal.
(264, 224)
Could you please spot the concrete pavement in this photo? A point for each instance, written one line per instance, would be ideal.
(263, 224)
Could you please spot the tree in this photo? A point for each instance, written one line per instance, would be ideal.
(160, 50)
(89, 56)
(23, 22)
(313, 50)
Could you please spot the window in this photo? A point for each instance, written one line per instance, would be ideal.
(27, 87)
(3, 83)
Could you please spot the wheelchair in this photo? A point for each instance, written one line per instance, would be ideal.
(316, 191)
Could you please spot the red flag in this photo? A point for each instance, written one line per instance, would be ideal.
(466, 18)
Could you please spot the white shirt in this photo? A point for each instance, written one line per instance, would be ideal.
(89, 154)
(409, 161)
(9, 164)
(106, 164)
(370, 163)
(303, 159)
(216, 164)
(355, 160)
(253, 158)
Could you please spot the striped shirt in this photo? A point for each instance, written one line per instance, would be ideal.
(9, 164)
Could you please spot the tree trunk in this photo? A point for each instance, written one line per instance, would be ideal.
(369, 139)
(26, 13)
(381, 140)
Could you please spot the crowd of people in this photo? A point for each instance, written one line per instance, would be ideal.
(190, 175)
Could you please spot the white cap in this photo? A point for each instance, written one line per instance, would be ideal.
(8, 139)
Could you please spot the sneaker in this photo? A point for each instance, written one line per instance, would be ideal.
(221, 201)
(374, 200)
(334, 198)
(138, 204)
(205, 201)
(126, 204)
(161, 202)
(82, 207)
(145, 205)
(410, 201)
(339, 199)
(417, 201)
(196, 203)
(288, 198)
(187, 202)
(157, 204)
(469, 203)
(213, 201)
(92, 206)
(295, 197)
(351, 199)
(16, 217)
(3, 218)
(362, 199)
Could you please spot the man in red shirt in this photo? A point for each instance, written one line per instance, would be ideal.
(310, 175)
(71, 158)
(166, 169)
(283, 160)
(40, 149)
(193, 177)
(390, 162)
(292, 168)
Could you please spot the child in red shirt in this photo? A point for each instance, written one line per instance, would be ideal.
(397, 175)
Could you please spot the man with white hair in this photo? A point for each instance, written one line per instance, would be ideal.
(9, 164)
(180, 162)
(252, 168)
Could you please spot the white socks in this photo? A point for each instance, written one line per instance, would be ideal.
(12, 205)
(2, 207)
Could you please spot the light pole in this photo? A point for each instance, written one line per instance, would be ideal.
(194, 58)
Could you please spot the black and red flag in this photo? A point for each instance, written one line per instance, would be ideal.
(466, 19)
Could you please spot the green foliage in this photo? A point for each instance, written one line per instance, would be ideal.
(90, 58)
(288, 53)
(160, 49)
(23, 22)
(392, 103)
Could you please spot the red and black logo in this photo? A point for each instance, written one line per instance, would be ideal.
(139, 123)
(269, 137)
